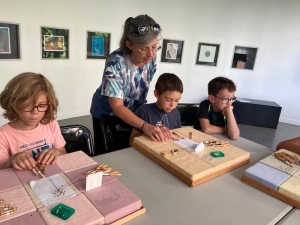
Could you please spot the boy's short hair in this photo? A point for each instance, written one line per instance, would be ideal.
(23, 91)
(168, 82)
(219, 83)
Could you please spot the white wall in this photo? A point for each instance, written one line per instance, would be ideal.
(270, 25)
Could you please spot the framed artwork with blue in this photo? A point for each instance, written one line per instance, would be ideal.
(98, 45)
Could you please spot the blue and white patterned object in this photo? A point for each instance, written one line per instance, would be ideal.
(267, 175)
(122, 79)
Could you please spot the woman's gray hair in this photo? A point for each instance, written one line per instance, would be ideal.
(131, 33)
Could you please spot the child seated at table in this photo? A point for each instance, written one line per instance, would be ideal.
(33, 135)
(163, 112)
(215, 115)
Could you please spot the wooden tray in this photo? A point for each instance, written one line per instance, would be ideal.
(130, 217)
(270, 191)
(183, 178)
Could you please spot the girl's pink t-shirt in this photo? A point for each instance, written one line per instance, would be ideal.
(34, 141)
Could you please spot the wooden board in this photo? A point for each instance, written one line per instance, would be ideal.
(129, 217)
(183, 178)
(36, 205)
(270, 191)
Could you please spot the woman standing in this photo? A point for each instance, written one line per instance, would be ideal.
(126, 78)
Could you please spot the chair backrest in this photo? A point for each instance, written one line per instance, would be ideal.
(115, 133)
(78, 137)
(188, 113)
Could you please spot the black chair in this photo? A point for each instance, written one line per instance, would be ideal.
(188, 113)
(115, 133)
(78, 137)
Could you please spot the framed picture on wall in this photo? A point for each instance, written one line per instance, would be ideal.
(98, 45)
(171, 51)
(244, 57)
(54, 43)
(207, 54)
(9, 41)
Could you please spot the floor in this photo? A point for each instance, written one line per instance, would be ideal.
(265, 136)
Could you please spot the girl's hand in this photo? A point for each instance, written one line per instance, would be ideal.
(47, 156)
(22, 160)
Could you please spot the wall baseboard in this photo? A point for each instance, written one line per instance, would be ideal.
(63, 116)
(289, 121)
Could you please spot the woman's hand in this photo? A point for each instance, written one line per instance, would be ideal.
(22, 160)
(47, 156)
(156, 133)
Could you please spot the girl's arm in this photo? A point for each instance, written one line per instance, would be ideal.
(20, 161)
(50, 155)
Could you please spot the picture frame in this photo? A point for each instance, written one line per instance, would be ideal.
(9, 41)
(54, 43)
(172, 51)
(98, 45)
(207, 54)
(244, 57)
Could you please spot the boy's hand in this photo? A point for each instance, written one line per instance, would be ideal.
(47, 156)
(22, 160)
(227, 110)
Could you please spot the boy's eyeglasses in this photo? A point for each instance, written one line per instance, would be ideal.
(40, 108)
(145, 28)
(226, 100)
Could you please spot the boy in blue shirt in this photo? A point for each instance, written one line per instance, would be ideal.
(215, 115)
(163, 112)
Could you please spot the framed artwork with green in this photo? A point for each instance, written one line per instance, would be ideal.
(54, 43)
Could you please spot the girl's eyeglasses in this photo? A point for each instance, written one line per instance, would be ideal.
(142, 29)
(40, 108)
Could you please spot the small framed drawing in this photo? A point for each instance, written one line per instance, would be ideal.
(172, 51)
(98, 45)
(207, 54)
(55, 43)
(9, 41)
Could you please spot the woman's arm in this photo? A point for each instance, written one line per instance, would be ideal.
(154, 132)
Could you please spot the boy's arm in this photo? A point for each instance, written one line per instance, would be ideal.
(134, 133)
(203, 115)
(233, 130)
(208, 128)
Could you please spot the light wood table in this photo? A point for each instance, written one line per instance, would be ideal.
(222, 200)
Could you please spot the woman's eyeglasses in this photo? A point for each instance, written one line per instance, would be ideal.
(145, 28)
(145, 51)
(40, 108)
(226, 100)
